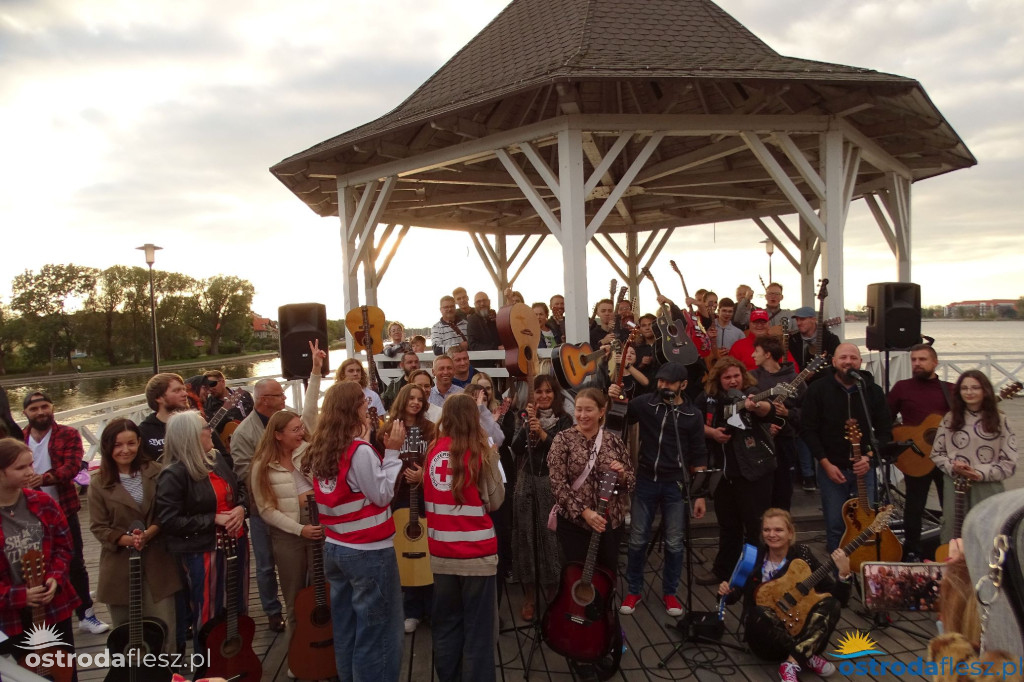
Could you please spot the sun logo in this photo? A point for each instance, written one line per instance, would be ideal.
(856, 644)
(41, 637)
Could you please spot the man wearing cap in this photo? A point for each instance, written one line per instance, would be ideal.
(802, 344)
(743, 350)
(671, 443)
(218, 393)
(57, 458)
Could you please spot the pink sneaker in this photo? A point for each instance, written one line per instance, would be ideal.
(672, 605)
(821, 666)
(788, 672)
(629, 604)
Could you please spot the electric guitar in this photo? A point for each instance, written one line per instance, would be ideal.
(580, 621)
(818, 347)
(139, 636)
(695, 327)
(961, 491)
(791, 596)
(673, 343)
(573, 363)
(923, 435)
(311, 651)
(858, 515)
(783, 390)
(411, 536)
(228, 636)
(33, 574)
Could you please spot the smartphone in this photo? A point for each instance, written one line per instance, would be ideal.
(901, 586)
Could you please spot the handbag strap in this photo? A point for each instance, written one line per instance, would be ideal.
(590, 463)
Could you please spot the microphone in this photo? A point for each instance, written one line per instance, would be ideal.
(667, 395)
(854, 375)
(907, 444)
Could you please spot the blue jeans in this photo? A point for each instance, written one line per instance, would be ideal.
(366, 610)
(805, 458)
(833, 495)
(263, 555)
(648, 496)
(464, 624)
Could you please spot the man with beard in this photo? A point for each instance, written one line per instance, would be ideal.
(827, 406)
(481, 326)
(165, 394)
(57, 458)
(216, 395)
(916, 399)
(409, 364)
(556, 323)
(449, 330)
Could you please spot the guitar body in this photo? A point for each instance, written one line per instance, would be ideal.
(354, 324)
(311, 651)
(673, 345)
(231, 656)
(782, 595)
(909, 462)
(154, 633)
(54, 673)
(857, 519)
(580, 621)
(615, 417)
(571, 366)
(33, 574)
(411, 550)
(519, 332)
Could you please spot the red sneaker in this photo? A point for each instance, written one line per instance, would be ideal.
(821, 666)
(629, 604)
(672, 605)
(788, 672)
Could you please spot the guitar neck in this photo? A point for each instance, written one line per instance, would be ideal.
(963, 489)
(595, 540)
(319, 579)
(827, 568)
(233, 594)
(862, 486)
(135, 599)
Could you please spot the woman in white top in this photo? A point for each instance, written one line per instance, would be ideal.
(280, 491)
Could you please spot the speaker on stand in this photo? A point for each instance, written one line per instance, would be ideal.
(301, 323)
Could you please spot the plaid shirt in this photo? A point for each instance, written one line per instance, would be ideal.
(65, 462)
(57, 549)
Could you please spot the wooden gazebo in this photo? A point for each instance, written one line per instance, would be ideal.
(615, 122)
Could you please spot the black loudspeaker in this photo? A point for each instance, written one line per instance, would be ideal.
(301, 323)
(894, 315)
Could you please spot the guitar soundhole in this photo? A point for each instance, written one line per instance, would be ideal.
(929, 436)
(321, 616)
(583, 594)
(231, 647)
(413, 531)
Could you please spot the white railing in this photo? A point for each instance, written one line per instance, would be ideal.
(1000, 368)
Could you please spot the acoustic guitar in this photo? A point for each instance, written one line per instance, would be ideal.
(615, 417)
(923, 435)
(573, 363)
(580, 622)
(365, 323)
(858, 515)
(519, 332)
(139, 636)
(33, 574)
(673, 343)
(311, 651)
(228, 636)
(411, 536)
(961, 492)
(791, 596)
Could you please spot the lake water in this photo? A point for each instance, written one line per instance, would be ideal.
(951, 336)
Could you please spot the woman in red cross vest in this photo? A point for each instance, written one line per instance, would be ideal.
(353, 485)
(461, 484)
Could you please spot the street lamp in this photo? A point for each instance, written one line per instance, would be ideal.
(151, 250)
(769, 248)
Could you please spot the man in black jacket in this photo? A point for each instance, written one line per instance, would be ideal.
(165, 394)
(827, 407)
(481, 325)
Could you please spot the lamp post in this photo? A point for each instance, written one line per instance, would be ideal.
(151, 250)
(769, 248)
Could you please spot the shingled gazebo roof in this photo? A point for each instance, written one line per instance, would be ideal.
(541, 59)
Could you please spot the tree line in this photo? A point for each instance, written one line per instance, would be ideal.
(63, 310)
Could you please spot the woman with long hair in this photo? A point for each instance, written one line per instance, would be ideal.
(532, 500)
(353, 370)
(484, 379)
(461, 484)
(122, 492)
(422, 378)
(280, 491)
(198, 499)
(974, 442)
(354, 486)
(409, 409)
(765, 633)
(31, 520)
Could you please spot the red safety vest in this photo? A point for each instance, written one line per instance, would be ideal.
(454, 531)
(347, 516)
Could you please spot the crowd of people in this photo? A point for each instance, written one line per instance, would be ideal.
(248, 476)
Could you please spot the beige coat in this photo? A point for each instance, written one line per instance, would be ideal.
(111, 511)
(285, 515)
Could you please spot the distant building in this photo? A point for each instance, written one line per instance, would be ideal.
(264, 327)
(1002, 307)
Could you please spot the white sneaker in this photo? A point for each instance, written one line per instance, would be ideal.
(411, 624)
(90, 623)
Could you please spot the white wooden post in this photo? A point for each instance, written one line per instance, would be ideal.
(832, 212)
(349, 281)
(573, 233)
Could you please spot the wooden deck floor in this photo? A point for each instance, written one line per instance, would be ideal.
(650, 634)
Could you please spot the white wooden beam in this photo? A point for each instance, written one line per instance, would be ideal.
(380, 202)
(543, 169)
(832, 213)
(799, 160)
(349, 282)
(623, 184)
(611, 260)
(778, 244)
(872, 152)
(882, 222)
(573, 233)
(609, 158)
(526, 260)
(781, 178)
(488, 265)
(403, 230)
(359, 216)
(531, 194)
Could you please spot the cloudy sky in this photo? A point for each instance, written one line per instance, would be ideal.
(130, 122)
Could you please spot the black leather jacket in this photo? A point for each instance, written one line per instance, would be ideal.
(186, 508)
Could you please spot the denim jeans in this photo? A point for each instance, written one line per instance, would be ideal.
(805, 458)
(366, 610)
(833, 495)
(464, 624)
(647, 498)
(263, 555)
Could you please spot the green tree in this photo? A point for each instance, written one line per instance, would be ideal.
(42, 299)
(221, 309)
(12, 330)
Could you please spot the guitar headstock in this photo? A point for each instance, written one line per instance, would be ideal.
(645, 272)
(606, 488)
(33, 568)
(823, 289)
(817, 363)
(853, 434)
(1010, 391)
(233, 398)
(882, 519)
(227, 542)
(412, 448)
(961, 484)
(675, 267)
(611, 289)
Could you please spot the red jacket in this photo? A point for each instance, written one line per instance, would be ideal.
(456, 531)
(347, 516)
(743, 350)
(65, 462)
(57, 550)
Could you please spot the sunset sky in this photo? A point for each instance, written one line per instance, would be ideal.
(130, 122)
